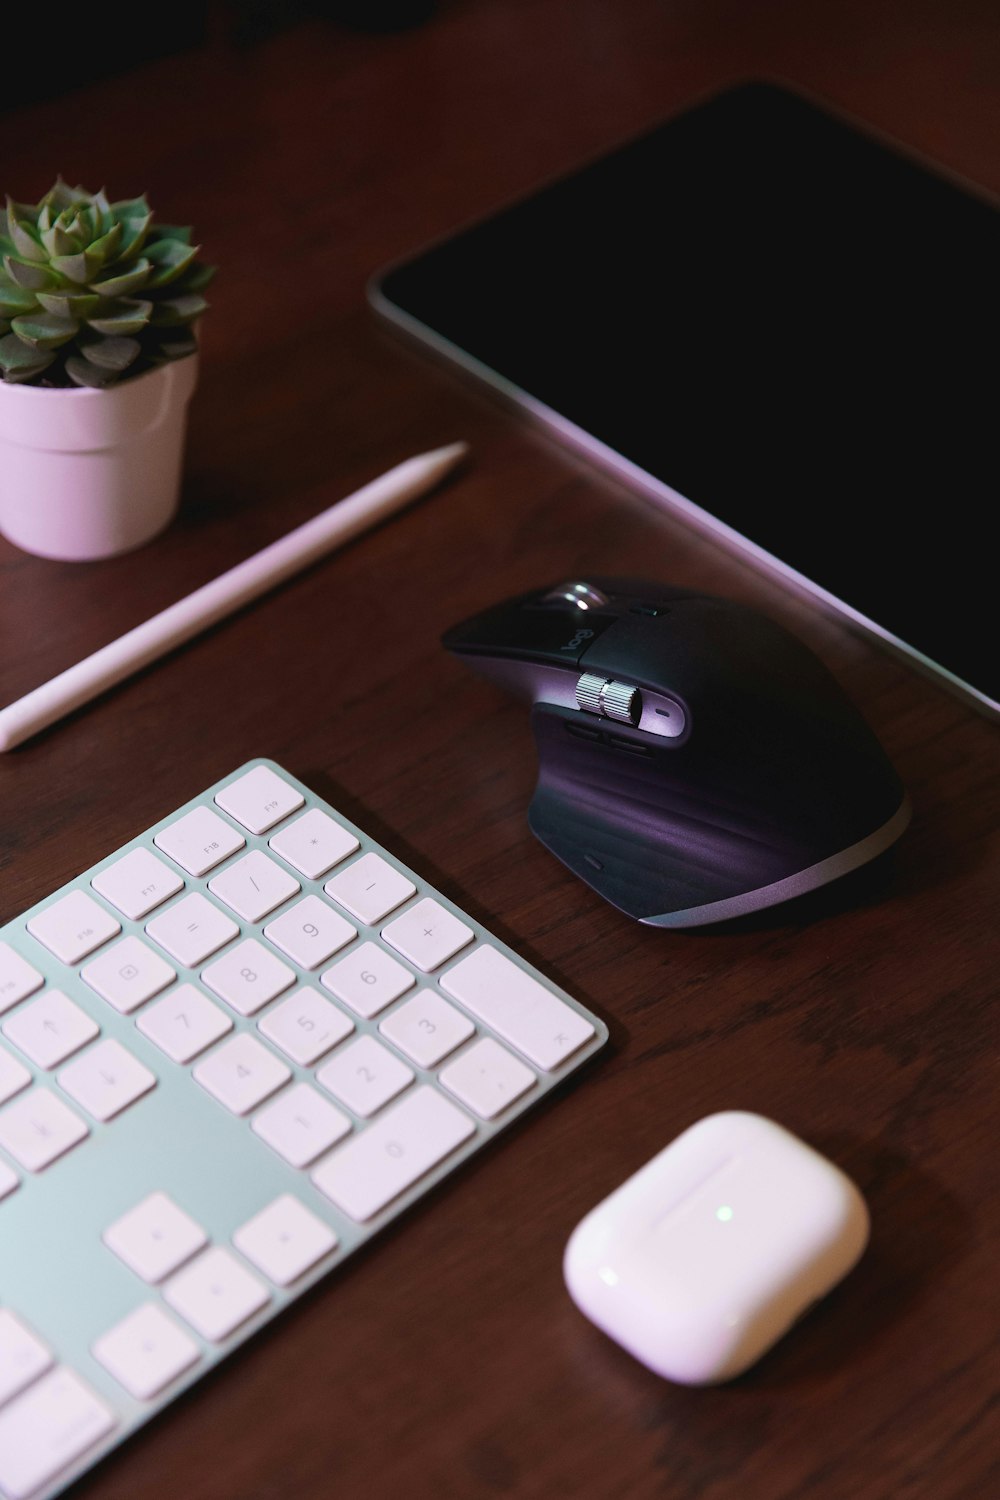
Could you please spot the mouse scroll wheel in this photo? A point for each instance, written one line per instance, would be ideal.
(610, 699)
(583, 595)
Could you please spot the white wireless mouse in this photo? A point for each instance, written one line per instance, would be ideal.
(700, 1262)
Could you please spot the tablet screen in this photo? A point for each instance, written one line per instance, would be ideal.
(790, 325)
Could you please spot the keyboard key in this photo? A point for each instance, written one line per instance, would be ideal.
(106, 1079)
(146, 1351)
(284, 1240)
(427, 934)
(310, 932)
(367, 980)
(314, 843)
(23, 1357)
(192, 929)
(248, 976)
(17, 978)
(137, 883)
(38, 1127)
(73, 926)
(301, 1125)
(199, 840)
(184, 1023)
(427, 1028)
(46, 1428)
(517, 1007)
(50, 1029)
(241, 1073)
(254, 885)
(259, 799)
(155, 1237)
(128, 975)
(370, 888)
(387, 1158)
(364, 1076)
(487, 1078)
(216, 1294)
(305, 1026)
(14, 1076)
(8, 1179)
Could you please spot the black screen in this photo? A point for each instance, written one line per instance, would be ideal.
(781, 318)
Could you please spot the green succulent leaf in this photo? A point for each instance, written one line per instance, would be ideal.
(134, 233)
(176, 348)
(61, 195)
(112, 354)
(82, 372)
(195, 279)
(58, 242)
(107, 246)
(183, 234)
(125, 317)
(173, 312)
(15, 300)
(26, 242)
(80, 268)
(66, 302)
(7, 246)
(21, 362)
(127, 282)
(45, 330)
(170, 259)
(130, 208)
(27, 274)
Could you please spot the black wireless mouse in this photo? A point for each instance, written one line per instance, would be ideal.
(696, 761)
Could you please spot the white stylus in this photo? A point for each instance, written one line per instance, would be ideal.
(197, 611)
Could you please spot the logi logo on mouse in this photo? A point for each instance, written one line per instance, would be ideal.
(578, 640)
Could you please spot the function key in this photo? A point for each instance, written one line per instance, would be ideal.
(199, 841)
(314, 843)
(136, 883)
(73, 926)
(259, 799)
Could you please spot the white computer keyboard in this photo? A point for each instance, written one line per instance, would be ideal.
(230, 1053)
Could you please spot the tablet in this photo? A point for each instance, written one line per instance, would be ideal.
(780, 326)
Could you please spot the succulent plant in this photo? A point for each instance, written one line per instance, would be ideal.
(91, 291)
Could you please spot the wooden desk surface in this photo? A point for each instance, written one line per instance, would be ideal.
(447, 1360)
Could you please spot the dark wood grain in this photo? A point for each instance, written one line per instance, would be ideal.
(447, 1360)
